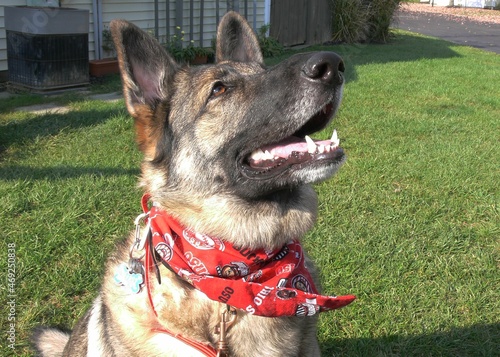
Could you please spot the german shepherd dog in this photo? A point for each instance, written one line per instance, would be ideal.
(227, 153)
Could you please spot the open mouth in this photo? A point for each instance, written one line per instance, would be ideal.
(296, 151)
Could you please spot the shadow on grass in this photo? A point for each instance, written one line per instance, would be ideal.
(43, 125)
(476, 340)
(16, 172)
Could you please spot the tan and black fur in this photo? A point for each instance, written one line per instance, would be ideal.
(197, 127)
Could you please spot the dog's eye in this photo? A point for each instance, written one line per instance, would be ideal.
(218, 89)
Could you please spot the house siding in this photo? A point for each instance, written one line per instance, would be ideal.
(142, 15)
(3, 35)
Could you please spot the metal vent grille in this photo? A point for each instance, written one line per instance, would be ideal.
(47, 62)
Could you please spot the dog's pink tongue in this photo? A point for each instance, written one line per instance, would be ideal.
(291, 149)
(285, 147)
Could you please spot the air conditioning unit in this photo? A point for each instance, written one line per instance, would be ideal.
(47, 47)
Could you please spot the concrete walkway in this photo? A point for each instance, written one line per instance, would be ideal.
(463, 31)
(52, 108)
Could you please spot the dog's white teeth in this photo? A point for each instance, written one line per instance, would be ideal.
(311, 146)
(258, 155)
(335, 139)
(268, 155)
(321, 149)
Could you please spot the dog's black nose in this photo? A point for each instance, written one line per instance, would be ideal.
(325, 67)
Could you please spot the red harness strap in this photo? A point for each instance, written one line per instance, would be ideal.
(206, 349)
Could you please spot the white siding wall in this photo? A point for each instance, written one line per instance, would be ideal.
(142, 15)
(3, 36)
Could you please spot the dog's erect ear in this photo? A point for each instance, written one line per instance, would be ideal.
(145, 66)
(147, 72)
(236, 40)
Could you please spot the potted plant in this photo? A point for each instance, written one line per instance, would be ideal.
(173, 45)
(187, 54)
(197, 55)
(108, 65)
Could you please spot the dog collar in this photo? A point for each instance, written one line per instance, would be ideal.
(265, 283)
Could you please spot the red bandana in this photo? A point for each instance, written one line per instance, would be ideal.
(264, 283)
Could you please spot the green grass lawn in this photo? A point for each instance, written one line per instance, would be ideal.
(410, 224)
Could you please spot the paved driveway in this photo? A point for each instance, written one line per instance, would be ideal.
(461, 31)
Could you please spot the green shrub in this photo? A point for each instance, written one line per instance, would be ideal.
(362, 20)
(380, 14)
(269, 46)
(349, 21)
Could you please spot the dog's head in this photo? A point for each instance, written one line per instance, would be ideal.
(232, 129)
